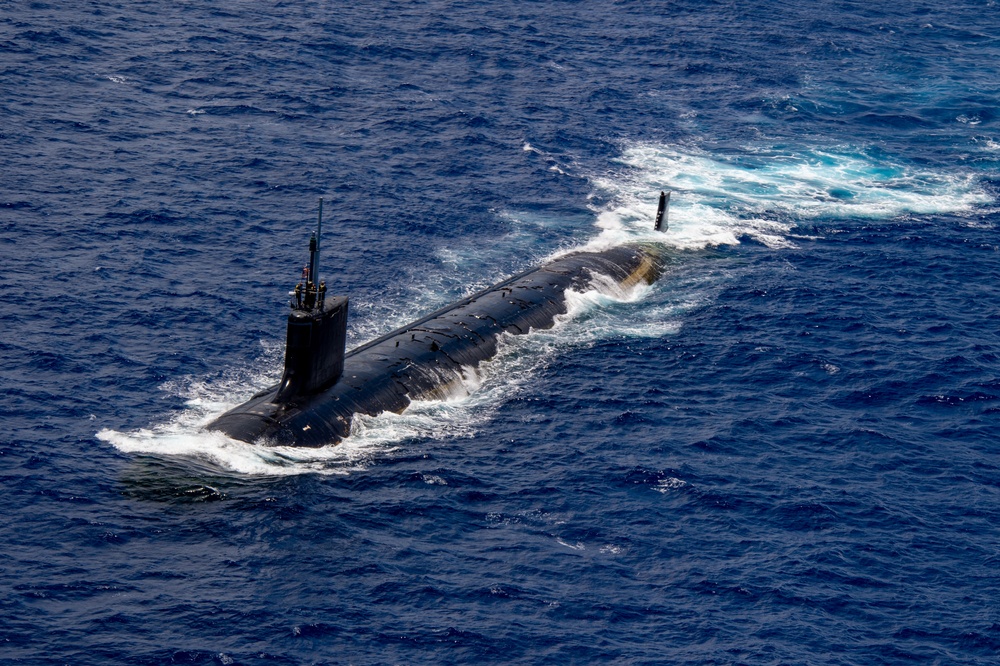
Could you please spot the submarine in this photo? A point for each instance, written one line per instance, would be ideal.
(323, 386)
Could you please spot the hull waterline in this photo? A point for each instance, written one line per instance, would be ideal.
(424, 359)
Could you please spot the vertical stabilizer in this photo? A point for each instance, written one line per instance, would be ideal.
(661, 212)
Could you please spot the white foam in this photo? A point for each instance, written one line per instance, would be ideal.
(762, 193)
(668, 484)
(987, 144)
(235, 456)
(579, 545)
(184, 435)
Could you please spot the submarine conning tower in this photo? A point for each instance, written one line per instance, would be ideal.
(317, 332)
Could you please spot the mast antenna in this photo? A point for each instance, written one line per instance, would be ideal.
(311, 292)
(314, 253)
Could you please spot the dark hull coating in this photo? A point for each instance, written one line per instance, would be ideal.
(423, 359)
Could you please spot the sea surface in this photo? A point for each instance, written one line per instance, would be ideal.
(786, 451)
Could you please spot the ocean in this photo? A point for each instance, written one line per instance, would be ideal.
(783, 452)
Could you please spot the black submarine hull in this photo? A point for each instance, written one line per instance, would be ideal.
(424, 359)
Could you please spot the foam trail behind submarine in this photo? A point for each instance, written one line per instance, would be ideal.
(322, 387)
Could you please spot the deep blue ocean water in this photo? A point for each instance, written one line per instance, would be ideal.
(784, 452)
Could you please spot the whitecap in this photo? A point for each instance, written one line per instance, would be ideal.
(574, 546)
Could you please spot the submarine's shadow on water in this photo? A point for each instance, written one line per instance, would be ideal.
(183, 480)
(187, 480)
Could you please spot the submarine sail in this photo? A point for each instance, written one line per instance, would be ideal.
(322, 387)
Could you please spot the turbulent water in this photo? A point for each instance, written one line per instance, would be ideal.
(783, 452)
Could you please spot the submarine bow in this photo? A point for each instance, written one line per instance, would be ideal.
(323, 386)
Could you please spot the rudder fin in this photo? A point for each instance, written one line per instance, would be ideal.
(661, 212)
